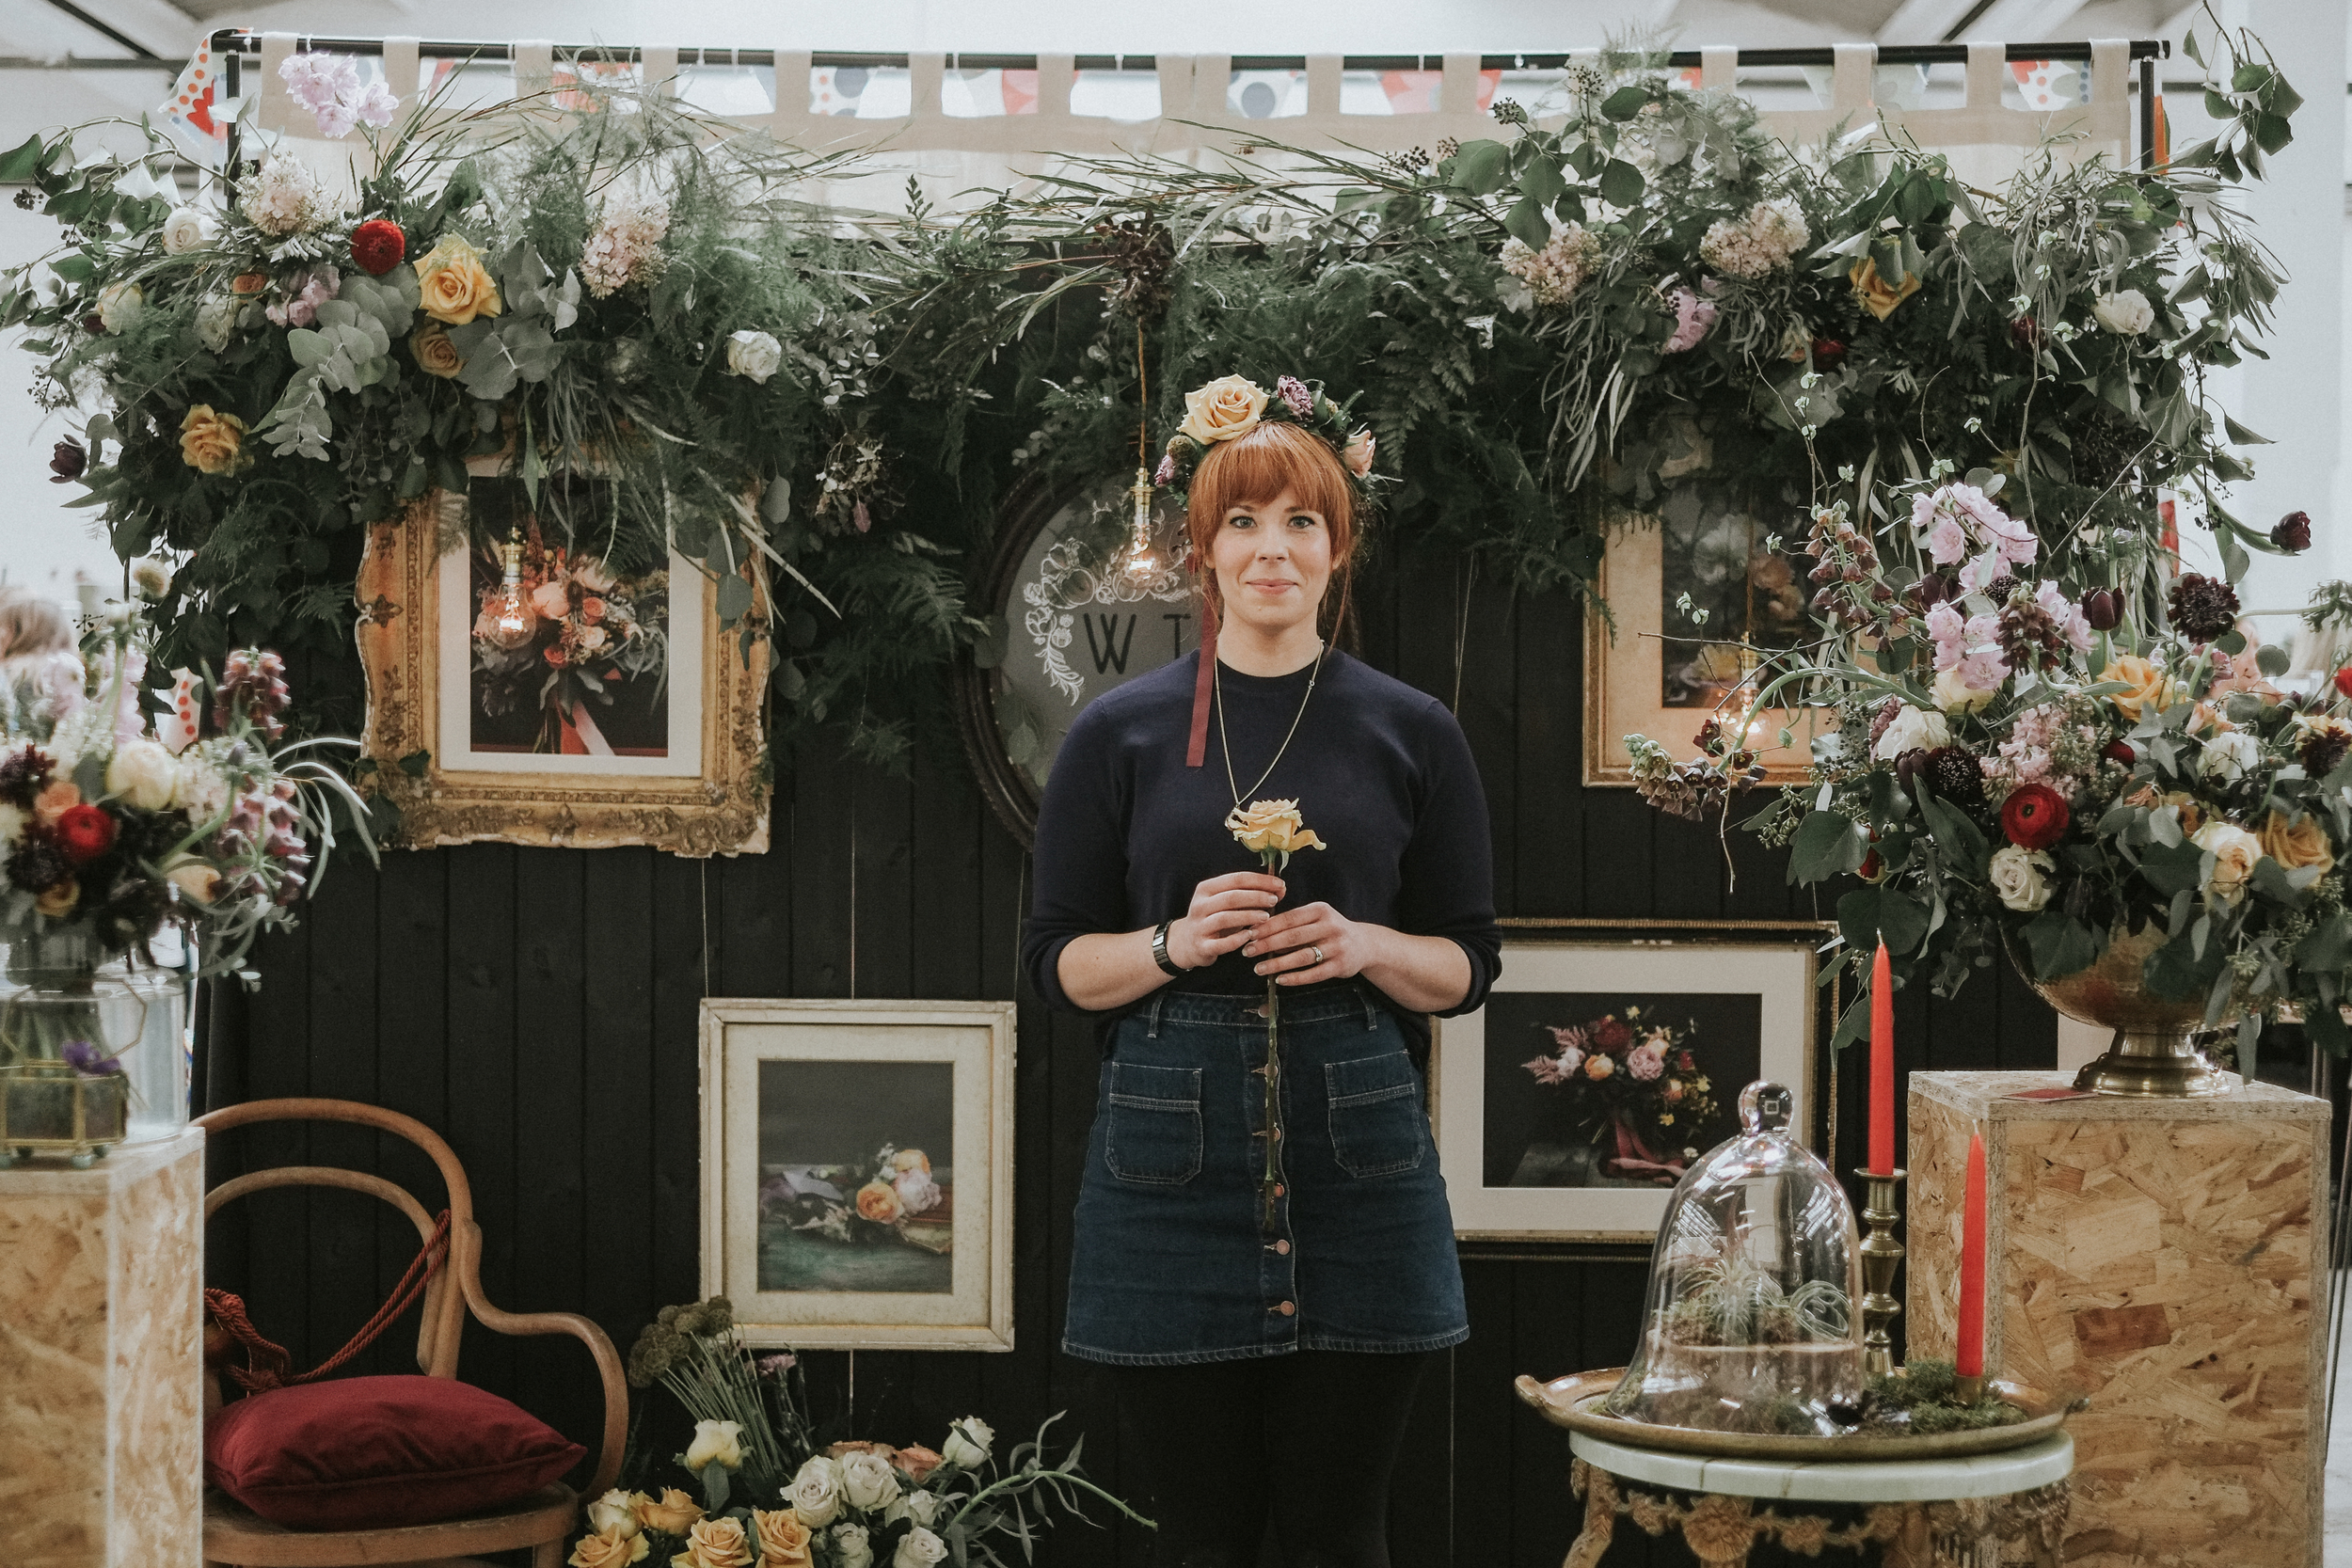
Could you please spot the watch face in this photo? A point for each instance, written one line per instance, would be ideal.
(1074, 612)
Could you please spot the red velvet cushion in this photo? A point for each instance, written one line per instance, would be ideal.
(375, 1451)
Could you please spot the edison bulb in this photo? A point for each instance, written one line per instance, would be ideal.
(507, 620)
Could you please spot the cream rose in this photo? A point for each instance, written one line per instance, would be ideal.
(1357, 454)
(753, 355)
(2234, 851)
(552, 601)
(921, 1506)
(1272, 824)
(454, 286)
(1227, 408)
(968, 1443)
(211, 443)
(2230, 756)
(120, 305)
(916, 1192)
(610, 1547)
(2298, 842)
(429, 345)
(850, 1548)
(878, 1200)
(672, 1513)
(2020, 876)
(1912, 729)
(187, 229)
(2148, 685)
(815, 1492)
(216, 321)
(782, 1538)
(911, 1159)
(717, 1443)
(919, 1548)
(1953, 694)
(143, 774)
(715, 1544)
(867, 1480)
(616, 1510)
(2127, 313)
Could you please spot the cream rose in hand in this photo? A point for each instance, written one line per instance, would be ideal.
(1272, 828)
(1225, 408)
(753, 355)
(815, 1492)
(2234, 851)
(187, 229)
(717, 1443)
(2021, 877)
(866, 1480)
(968, 1443)
(919, 1548)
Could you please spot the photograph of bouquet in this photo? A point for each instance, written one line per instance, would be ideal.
(1632, 1093)
(761, 1488)
(568, 657)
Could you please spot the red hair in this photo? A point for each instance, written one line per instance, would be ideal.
(1255, 468)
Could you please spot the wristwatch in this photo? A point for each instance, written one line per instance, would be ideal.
(1159, 949)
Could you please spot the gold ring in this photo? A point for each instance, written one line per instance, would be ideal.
(1316, 951)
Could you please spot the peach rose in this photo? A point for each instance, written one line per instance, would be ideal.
(58, 900)
(879, 1201)
(1272, 824)
(2297, 844)
(2148, 683)
(715, 1544)
(434, 354)
(1598, 1065)
(54, 802)
(249, 283)
(455, 285)
(196, 882)
(1359, 452)
(911, 1159)
(783, 1540)
(918, 1462)
(213, 443)
(1223, 409)
(672, 1513)
(609, 1548)
(1877, 295)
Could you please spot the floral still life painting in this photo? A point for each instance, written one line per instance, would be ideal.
(568, 656)
(1632, 1089)
(876, 1216)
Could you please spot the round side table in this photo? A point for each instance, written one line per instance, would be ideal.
(1945, 1512)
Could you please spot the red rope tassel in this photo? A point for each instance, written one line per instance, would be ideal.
(267, 1363)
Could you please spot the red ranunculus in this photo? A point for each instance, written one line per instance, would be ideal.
(84, 832)
(379, 245)
(2343, 680)
(2034, 815)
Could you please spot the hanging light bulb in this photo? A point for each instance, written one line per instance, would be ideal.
(508, 613)
(1140, 558)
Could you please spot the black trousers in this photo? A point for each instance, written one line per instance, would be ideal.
(1304, 1441)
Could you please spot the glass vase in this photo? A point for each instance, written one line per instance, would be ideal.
(66, 1017)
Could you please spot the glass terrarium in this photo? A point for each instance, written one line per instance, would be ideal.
(1750, 1321)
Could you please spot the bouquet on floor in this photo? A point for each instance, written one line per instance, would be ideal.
(771, 1495)
(1633, 1082)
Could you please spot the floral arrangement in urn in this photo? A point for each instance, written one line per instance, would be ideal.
(1634, 1082)
(772, 1496)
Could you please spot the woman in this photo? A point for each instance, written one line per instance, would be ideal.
(1267, 1319)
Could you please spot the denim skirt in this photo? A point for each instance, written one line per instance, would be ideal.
(1186, 1252)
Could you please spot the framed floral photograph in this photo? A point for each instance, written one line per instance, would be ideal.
(523, 689)
(1608, 1058)
(1699, 596)
(857, 1171)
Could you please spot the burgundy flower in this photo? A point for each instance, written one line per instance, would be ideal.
(379, 245)
(1828, 354)
(2202, 608)
(2025, 332)
(1955, 775)
(1293, 391)
(2034, 816)
(2103, 608)
(1933, 590)
(68, 461)
(2118, 751)
(1610, 1033)
(2293, 532)
(1166, 473)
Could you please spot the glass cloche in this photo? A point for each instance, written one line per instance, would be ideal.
(1752, 1321)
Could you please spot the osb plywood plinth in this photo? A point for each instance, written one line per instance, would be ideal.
(2160, 1257)
(101, 1358)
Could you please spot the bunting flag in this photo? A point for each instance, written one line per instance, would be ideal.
(189, 117)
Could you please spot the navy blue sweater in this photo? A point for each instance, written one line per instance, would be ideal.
(1381, 774)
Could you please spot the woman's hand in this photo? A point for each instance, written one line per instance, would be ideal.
(1224, 910)
(1314, 941)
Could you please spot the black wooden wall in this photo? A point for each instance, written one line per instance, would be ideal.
(539, 1009)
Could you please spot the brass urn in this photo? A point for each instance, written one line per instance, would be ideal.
(2154, 1055)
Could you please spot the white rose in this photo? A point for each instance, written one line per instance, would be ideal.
(144, 774)
(119, 303)
(2230, 755)
(2018, 876)
(916, 1192)
(216, 321)
(716, 1443)
(816, 1493)
(2234, 851)
(921, 1506)
(866, 1480)
(968, 1442)
(753, 355)
(187, 229)
(614, 1511)
(850, 1546)
(919, 1548)
(1953, 694)
(2127, 313)
(1915, 728)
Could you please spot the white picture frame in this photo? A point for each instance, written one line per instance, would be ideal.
(792, 1092)
(1589, 965)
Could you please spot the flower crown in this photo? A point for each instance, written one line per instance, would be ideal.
(1234, 406)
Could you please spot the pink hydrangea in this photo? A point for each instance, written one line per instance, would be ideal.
(625, 248)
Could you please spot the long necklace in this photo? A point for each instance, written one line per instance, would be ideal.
(1225, 741)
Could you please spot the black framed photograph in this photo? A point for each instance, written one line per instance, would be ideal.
(1606, 1060)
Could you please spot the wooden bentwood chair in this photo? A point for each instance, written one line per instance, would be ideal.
(542, 1521)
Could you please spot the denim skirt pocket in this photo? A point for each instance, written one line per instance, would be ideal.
(1154, 1133)
(1377, 1128)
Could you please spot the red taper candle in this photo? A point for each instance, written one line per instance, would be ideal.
(1882, 1065)
(1968, 1351)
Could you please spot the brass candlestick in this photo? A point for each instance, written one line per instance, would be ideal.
(1880, 1253)
(1967, 1391)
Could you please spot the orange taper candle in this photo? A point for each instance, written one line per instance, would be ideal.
(1968, 1354)
(1882, 1065)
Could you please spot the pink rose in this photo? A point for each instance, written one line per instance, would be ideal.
(1693, 317)
(1645, 1064)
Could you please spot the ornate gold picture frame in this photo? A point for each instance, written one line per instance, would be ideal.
(703, 791)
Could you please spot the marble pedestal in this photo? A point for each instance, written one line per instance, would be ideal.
(101, 1358)
(2162, 1257)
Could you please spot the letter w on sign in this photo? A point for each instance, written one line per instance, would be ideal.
(1110, 650)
